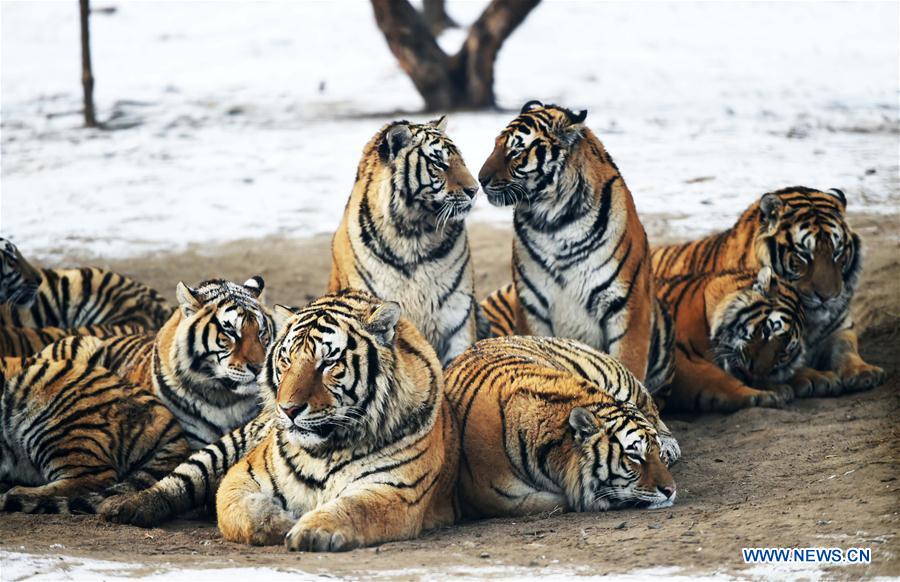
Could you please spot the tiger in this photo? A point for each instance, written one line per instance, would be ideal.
(202, 364)
(802, 235)
(739, 338)
(402, 236)
(549, 424)
(71, 428)
(581, 262)
(363, 448)
(69, 301)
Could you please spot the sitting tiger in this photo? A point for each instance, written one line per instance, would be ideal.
(803, 236)
(581, 264)
(550, 423)
(402, 236)
(71, 428)
(43, 305)
(354, 400)
(738, 340)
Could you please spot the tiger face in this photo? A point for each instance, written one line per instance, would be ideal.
(19, 281)
(224, 332)
(619, 460)
(430, 179)
(805, 239)
(529, 155)
(757, 332)
(327, 372)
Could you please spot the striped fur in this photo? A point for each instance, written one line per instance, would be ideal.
(402, 237)
(803, 236)
(548, 424)
(739, 340)
(70, 301)
(363, 447)
(70, 428)
(581, 263)
(203, 363)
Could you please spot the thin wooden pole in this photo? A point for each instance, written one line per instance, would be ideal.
(87, 74)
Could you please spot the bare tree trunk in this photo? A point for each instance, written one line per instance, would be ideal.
(87, 75)
(465, 80)
(436, 17)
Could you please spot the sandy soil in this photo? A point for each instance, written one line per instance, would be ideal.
(821, 472)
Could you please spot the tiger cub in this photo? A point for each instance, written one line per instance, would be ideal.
(402, 237)
(738, 340)
(71, 428)
(581, 264)
(803, 236)
(363, 448)
(550, 423)
(59, 302)
(202, 364)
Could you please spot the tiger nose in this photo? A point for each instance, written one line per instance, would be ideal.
(667, 490)
(292, 411)
(471, 191)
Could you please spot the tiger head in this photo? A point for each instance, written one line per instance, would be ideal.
(757, 329)
(619, 463)
(530, 155)
(223, 331)
(330, 374)
(804, 237)
(19, 281)
(429, 177)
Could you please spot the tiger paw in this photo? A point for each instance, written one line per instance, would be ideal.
(813, 383)
(317, 534)
(861, 376)
(143, 509)
(776, 397)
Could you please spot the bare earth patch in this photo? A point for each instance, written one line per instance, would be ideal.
(821, 472)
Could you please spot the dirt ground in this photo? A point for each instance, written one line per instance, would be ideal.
(819, 473)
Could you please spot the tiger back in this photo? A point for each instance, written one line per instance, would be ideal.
(402, 236)
(549, 423)
(363, 449)
(78, 301)
(581, 263)
(71, 428)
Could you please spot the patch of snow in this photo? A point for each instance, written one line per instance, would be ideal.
(249, 121)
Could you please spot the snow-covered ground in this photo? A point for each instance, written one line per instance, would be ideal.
(248, 118)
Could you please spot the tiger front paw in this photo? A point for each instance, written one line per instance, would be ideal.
(143, 509)
(813, 383)
(317, 533)
(860, 376)
(775, 397)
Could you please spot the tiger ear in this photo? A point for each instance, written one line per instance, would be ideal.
(187, 299)
(282, 315)
(255, 286)
(440, 123)
(573, 129)
(382, 322)
(839, 194)
(770, 207)
(583, 424)
(395, 138)
(533, 104)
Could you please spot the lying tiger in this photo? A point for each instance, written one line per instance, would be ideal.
(402, 237)
(738, 340)
(202, 365)
(548, 424)
(803, 236)
(581, 262)
(355, 446)
(71, 428)
(41, 306)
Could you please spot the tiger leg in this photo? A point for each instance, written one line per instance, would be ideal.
(632, 348)
(855, 373)
(246, 503)
(191, 484)
(700, 385)
(53, 497)
(379, 513)
(810, 382)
